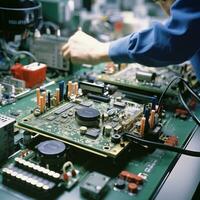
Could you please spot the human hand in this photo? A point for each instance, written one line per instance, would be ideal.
(81, 48)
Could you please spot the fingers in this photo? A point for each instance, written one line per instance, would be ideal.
(65, 47)
(66, 54)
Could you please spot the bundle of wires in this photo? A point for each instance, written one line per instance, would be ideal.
(181, 83)
(11, 54)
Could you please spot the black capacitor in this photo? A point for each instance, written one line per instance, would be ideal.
(87, 116)
(66, 92)
(52, 153)
(115, 138)
(120, 184)
(49, 99)
(61, 87)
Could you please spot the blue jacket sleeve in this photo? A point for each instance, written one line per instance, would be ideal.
(174, 42)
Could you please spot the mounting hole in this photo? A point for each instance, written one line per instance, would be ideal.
(25, 120)
(106, 148)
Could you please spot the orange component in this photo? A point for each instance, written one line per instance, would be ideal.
(57, 96)
(76, 88)
(142, 126)
(123, 174)
(69, 88)
(152, 119)
(33, 74)
(44, 97)
(180, 111)
(132, 187)
(134, 178)
(172, 140)
(41, 104)
(130, 177)
(38, 96)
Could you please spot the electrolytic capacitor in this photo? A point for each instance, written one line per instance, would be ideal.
(41, 104)
(69, 88)
(107, 130)
(76, 89)
(57, 96)
(152, 119)
(61, 87)
(146, 115)
(142, 126)
(38, 96)
(44, 97)
(66, 92)
(49, 99)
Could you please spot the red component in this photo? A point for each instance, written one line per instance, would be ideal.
(134, 178)
(180, 111)
(118, 26)
(65, 177)
(130, 177)
(124, 174)
(172, 140)
(33, 74)
(192, 103)
(132, 187)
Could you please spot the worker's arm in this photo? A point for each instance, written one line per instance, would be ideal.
(161, 45)
(172, 43)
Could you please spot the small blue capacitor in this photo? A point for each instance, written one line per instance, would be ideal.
(61, 87)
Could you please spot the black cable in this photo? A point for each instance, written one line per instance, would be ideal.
(166, 89)
(161, 146)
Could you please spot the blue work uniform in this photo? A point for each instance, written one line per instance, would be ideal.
(174, 42)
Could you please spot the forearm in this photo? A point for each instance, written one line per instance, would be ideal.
(161, 45)
(103, 53)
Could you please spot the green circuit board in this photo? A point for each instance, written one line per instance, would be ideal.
(144, 79)
(60, 123)
(153, 166)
